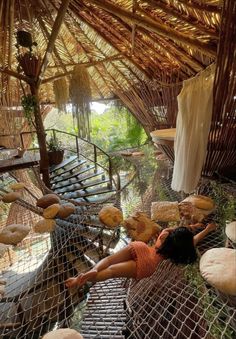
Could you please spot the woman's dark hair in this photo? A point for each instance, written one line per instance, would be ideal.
(179, 247)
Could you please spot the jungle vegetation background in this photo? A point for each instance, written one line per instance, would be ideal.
(112, 130)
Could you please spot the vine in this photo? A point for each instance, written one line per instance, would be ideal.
(29, 103)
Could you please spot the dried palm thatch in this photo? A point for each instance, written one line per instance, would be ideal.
(61, 92)
(133, 40)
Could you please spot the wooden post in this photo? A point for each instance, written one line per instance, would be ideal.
(44, 164)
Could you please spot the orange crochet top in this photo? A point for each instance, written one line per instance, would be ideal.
(146, 258)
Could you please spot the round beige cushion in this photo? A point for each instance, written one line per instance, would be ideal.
(11, 197)
(218, 268)
(48, 200)
(13, 234)
(66, 210)
(3, 249)
(45, 225)
(201, 202)
(51, 211)
(63, 333)
(17, 186)
(110, 216)
(230, 231)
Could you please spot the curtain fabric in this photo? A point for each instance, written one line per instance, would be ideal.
(192, 128)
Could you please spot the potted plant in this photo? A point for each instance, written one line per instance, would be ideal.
(55, 151)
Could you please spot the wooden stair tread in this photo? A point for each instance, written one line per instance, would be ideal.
(90, 167)
(98, 200)
(63, 163)
(95, 192)
(78, 163)
(77, 187)
(76, 180)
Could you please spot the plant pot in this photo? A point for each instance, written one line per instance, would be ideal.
(24, 39)
(30, 64)
(55, 157)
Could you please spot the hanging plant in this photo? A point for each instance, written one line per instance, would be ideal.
(80, 94)
(61, 92)
(29, 103)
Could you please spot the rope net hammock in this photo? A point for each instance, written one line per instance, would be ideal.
(175, 302)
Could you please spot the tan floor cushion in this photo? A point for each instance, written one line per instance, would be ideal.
(63, 333)
(230, 231)
(218, 268)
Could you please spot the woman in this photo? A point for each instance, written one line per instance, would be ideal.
(138, 260)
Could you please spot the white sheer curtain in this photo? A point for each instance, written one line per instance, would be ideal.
(192, 129)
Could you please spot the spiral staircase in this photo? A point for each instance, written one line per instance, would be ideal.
(36, 300)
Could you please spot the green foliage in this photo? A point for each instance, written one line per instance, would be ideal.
(29, 102)
(112, 130)
(53, 144)
(225, 202)
(116, 129)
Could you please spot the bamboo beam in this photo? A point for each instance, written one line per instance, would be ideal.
(181, 16)
(201, 6)
(134, 26)
(11, 26)
(89, 64)
(175, 52)
(16, 75)
(156, 27)
(54, 33)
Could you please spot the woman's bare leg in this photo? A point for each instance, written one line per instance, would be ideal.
(121, 256)
(125, 269)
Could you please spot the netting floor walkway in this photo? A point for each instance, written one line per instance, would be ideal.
(104, 316)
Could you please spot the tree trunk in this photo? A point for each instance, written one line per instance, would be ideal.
(44, 164)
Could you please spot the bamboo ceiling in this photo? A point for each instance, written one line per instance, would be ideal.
(121, 41)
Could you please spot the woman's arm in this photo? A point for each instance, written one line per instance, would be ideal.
(198, 237)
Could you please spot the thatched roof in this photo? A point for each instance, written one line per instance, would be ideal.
(122, 42)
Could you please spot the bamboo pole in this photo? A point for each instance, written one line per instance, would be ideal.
(188, 19)
(154, 26)
(91, 63)
(201, 6)
(86, 64)
(16, 75)
(54, 33)
(134, 27)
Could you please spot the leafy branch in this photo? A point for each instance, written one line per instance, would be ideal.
(29, 103)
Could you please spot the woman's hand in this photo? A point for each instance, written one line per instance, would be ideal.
(211, 227)
(71, 282)
(81, 279)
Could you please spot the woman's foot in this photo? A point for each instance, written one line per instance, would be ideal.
(81, 279)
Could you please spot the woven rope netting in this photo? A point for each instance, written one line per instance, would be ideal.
(173, 303)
